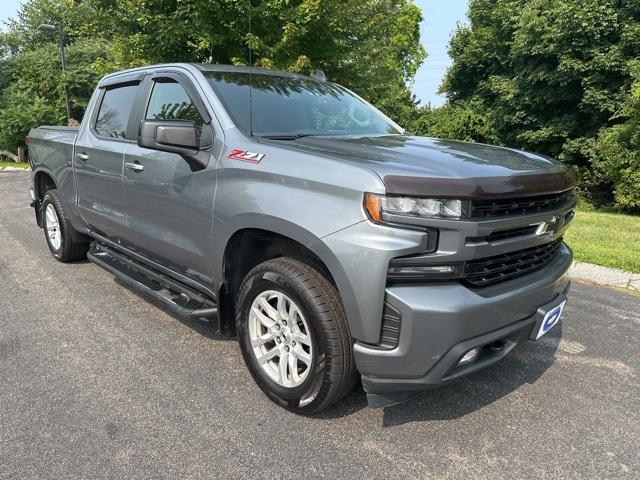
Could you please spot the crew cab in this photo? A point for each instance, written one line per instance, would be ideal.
(290, 212)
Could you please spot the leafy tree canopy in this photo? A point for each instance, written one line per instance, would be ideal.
(371, 46)
(549, 76)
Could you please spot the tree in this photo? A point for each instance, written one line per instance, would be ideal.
(371, 46)
(615, 152)
(33, 89)
(548, 75)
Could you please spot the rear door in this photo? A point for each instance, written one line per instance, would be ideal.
(169, 206)
(99, 157)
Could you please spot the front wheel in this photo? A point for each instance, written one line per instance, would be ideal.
(294, 335)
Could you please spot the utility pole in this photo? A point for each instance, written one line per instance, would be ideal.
(45, 27)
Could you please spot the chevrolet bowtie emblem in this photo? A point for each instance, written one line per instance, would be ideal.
(550, 226)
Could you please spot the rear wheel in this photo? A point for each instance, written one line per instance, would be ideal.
(294, 335)
(59, 232)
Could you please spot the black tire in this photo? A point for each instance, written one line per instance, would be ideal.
(69, 250)
(332, 373)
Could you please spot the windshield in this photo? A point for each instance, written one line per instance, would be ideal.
(290, 107)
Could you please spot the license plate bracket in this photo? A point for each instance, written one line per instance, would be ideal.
(549, 317)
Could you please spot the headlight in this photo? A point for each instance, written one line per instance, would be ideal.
(377, 205)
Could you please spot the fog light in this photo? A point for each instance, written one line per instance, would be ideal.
(469, 357)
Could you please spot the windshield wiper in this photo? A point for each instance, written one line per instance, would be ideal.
(288, 137)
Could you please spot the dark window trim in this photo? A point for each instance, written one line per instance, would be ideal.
(94, 115)
(122, 79)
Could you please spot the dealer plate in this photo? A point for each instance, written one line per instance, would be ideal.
(550, 320)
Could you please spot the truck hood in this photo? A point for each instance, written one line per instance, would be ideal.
(422, 166)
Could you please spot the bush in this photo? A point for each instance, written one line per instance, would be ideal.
(616, 162)
(615, 152)
(33, 94)
(20, 111)
(457, 121)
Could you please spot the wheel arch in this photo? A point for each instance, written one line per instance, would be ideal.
(43, 181)
(271, 238)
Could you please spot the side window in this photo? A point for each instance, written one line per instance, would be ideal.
(114, 111)
(169, 101)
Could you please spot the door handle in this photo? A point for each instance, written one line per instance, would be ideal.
(134, 167)
(82, 156)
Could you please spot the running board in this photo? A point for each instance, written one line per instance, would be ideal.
(179, 298)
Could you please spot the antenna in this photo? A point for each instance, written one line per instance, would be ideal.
(319, 75)
(250, 73)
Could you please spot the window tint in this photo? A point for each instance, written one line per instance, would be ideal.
(169, 101)
(114, 112)
(288, 105)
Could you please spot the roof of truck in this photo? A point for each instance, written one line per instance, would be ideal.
(211, 67)
(204, 68)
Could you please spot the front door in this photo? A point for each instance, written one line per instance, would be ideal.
(99, 160)
(169, 207)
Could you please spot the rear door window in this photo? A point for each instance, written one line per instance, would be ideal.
(114, 112)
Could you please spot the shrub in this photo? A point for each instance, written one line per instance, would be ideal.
(33, 93)
(458, 121)
(615, 152)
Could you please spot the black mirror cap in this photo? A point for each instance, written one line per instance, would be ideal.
(173, 136)
(177, 136)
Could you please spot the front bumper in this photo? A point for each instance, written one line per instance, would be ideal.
(440, 322)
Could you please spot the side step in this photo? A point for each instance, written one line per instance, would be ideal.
(179, 298)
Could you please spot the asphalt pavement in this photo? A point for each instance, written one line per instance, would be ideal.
(96, 382)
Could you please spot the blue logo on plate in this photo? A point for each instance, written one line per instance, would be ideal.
(552, 318)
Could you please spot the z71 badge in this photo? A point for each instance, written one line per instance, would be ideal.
(245, 156)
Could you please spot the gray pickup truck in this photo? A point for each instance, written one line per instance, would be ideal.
(293, 214)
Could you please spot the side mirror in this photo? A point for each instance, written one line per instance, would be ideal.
(173, 136)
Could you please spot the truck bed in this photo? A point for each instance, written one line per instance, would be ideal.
(54, 146)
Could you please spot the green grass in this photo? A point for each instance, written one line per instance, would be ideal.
(608, 239)
(23, 165)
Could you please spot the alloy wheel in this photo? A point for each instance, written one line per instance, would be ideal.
(53, 227)
(280, 338)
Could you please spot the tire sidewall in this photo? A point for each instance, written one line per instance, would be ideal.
(272, 279)
(49, 199)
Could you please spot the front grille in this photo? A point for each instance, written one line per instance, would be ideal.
(490, 270)
(505, 234)
(505, 207)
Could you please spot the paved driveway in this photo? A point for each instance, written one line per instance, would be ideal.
(95, 382)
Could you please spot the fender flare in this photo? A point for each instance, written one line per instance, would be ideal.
(296, 233)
